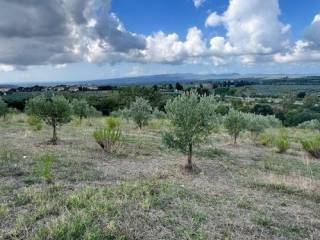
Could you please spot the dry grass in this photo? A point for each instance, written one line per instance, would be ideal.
(243, 192)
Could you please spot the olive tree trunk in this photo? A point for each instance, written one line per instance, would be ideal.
(189, 164)
(54, 134)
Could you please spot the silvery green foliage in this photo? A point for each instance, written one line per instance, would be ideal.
(312, 124)
(158, 114)
(54, 111)
(81, 108)
(3, 108)
(273, 121)
(235, 123)
(140, 111)
(192, 119)
(256, 124)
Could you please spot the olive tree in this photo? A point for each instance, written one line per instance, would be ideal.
(53, 110)
(4, 110)
(140, 111)
(81, 108)
(192, 119)
(235, 122)
(256, 124)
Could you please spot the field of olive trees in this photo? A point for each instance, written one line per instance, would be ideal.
(188, 172)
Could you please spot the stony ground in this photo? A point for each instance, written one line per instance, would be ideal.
(247, 191)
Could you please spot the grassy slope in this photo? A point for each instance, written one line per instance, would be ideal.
(243, 192)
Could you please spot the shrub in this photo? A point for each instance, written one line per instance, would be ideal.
(81, 108)
(3, 109)
(257, 124)
(262, 109)
(113, 122)
(265, 139)
(192, 118)
(312, 124)
(140, 112)
(235, 122)
(44, 168)
(281, 142)
(158, 114)
(35, 122)
(312, 146)
(110, 137)
(53, 110)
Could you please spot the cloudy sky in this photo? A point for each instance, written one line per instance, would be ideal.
(91, 39)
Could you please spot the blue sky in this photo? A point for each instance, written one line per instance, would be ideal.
(108, 39)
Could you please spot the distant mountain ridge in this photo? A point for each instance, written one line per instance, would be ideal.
(159, 79)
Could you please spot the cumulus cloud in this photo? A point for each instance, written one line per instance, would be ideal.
(162, 48)
(213, 20)
(61, 31)
(253, 28)
(306, 50)
(198, 3)
(58, 32)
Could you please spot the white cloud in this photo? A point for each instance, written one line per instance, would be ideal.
(62, 31)
(162, 48)
(198, 3)
(66, 31)
(253, 28)
(6, 68)
(213, 20)
(306, 50)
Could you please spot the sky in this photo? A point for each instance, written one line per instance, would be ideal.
(72, 40)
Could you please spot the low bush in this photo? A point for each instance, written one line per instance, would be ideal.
(312, 124)
(312, 146)
(113, 122)
(110, 137)
(35, 122)
(281, 142)
(265, 139)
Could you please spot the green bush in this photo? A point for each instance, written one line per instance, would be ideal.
(281, 142)
(312, 124)
(157, 114)
(44, 168)
(110, 137)
(35, 122)
(265, 139)
(113, 122)
(312, 146)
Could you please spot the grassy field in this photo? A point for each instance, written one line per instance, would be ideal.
(246, 191)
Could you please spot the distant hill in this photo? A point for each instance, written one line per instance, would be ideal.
(8, 86)
(161, 79)
(165, 79)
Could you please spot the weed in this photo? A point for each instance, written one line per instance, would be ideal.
(44, 168)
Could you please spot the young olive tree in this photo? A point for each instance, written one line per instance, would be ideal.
(235, 122)
(140, 111)
(192, 120)
(80, 108)
(256, 124)
(4, 110)
(53, 110)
